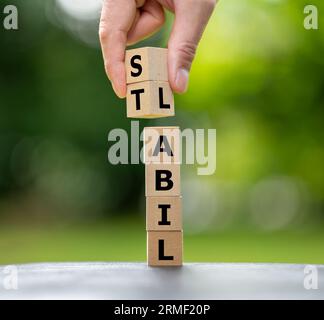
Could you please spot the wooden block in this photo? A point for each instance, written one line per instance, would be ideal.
(162, 180)
(163, 214)
(164, 248)
(146, 64)
(162, 145)
(150, 99)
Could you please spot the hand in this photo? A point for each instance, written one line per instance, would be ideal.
(125, 22)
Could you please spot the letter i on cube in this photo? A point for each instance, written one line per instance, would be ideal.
(148, 91)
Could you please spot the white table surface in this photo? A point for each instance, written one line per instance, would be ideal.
(137, 281)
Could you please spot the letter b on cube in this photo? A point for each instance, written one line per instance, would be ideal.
(162, 180)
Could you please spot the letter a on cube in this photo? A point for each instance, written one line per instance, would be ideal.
(162, 145)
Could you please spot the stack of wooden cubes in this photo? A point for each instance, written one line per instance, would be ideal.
(149, 96)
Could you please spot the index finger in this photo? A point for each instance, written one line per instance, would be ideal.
(116, 20)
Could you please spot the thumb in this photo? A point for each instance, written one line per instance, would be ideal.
(191, 18)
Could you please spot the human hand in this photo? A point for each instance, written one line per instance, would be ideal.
(125, 22)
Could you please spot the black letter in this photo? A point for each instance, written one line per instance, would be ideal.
(164, 221)
(159, 180)
(162, 104)
(161, 252)
(138, 93)
(159, 148)
(136, 66)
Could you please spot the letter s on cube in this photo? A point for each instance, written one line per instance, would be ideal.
(146, 64)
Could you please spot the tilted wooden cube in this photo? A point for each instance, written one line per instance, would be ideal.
(163, 213)
(162, 145)
(146, 64)
(162, 180)
(164, 248)
(150, 99)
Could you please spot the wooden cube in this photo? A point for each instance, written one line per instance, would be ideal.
(164, 248)
(150, 99)
(162, 180)
(163, 214)
(146, 64)
(162, 145)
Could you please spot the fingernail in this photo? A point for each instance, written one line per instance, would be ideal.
(182, 80)
(117, 91)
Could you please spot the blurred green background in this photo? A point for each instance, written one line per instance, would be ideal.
(258, 79)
